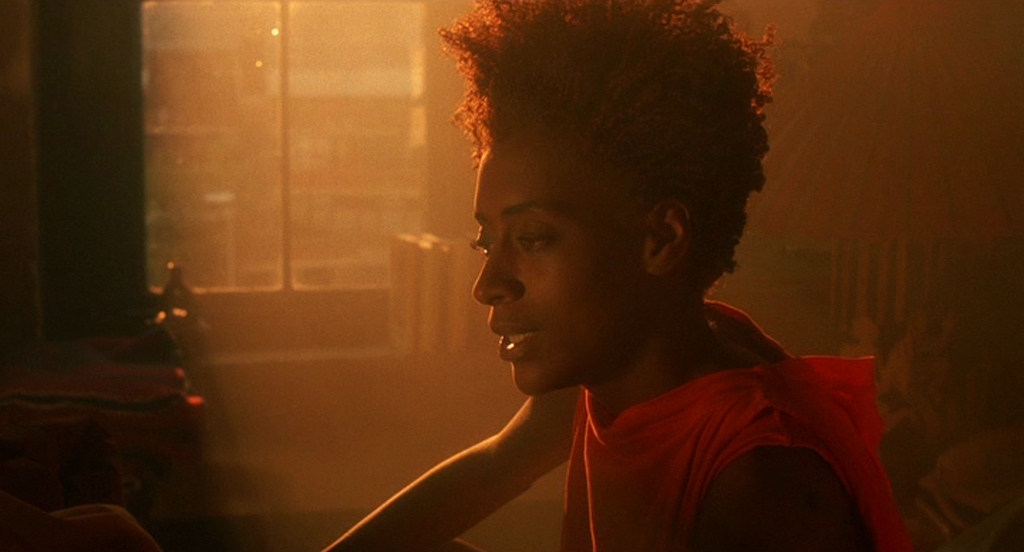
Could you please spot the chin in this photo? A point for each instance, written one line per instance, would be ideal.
(534, 380)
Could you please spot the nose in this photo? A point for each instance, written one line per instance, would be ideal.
(497, 282)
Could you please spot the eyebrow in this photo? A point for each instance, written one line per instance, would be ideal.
(519, 208)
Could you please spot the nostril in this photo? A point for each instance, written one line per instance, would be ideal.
(483, 291)
(502, 293)
(516, 289)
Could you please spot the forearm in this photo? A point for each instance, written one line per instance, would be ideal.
(439, 506)
(463, 490)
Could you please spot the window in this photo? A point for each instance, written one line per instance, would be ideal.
(285, 141)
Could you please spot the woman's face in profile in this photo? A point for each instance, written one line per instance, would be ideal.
(562, 271)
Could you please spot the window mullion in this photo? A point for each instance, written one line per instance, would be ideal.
(285, 166)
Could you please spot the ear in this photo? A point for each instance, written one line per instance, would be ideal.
(668, 236)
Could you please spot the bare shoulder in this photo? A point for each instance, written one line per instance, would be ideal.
(779, 498)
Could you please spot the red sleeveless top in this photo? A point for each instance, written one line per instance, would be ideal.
(637, 483)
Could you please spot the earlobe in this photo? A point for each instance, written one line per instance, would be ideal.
(668, 236)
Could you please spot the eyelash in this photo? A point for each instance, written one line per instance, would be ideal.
(527, 242)
(532, 242)
(481, 245)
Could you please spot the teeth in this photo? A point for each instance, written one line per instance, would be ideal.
(515, 339)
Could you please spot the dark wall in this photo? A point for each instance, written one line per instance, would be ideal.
(19, 292)
(90, 166)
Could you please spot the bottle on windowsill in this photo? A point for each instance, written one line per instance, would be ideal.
(180, 319)
(176, 298)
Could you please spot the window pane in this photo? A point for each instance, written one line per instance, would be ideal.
(212, 83)
(356, 137)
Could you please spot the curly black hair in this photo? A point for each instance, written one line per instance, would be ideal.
(668, 90)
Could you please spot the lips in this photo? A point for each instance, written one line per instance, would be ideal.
(513, 346)
(516, 339)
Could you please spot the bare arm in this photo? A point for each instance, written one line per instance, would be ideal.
(779, 498)
(466, 488)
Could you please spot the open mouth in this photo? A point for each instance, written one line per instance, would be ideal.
(512, 345)
(512, 340)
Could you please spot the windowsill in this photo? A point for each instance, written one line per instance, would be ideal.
(294, 324)
(281, 356)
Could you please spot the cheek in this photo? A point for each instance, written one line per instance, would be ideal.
(586, 281)
(591, 303)
(567, 286)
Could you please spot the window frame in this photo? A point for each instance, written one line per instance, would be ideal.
(347, 320)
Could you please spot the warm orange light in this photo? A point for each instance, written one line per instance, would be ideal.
(175, 312)
(275, 31)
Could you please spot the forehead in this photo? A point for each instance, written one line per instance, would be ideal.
(533, 168)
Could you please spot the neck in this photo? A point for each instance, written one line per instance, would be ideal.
(679, 349)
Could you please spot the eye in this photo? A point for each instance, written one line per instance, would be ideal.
(533, 241)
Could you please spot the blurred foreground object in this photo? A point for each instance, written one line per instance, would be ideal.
(89, 528)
